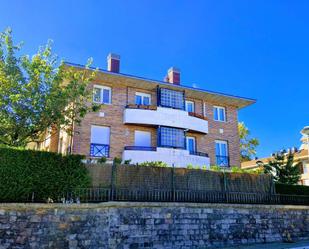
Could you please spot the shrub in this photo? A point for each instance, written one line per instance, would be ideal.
(235, 169)
(215, 168)
(117, 160)
(127, 162)
(288, 189)
(46, 174)
(102, 159)
(190, 166)
(154, 164)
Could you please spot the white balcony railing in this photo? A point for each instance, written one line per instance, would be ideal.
(165, 117)
(178, 157)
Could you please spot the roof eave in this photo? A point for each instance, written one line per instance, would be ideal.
(240, 102)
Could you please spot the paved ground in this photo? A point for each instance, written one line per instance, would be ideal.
(298, 245)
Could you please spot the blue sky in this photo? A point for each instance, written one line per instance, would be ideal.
(257, 49)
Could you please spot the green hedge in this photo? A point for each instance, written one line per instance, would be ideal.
(288, 189)
(46, 174)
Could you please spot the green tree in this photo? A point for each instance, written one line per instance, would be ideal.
(247, 144)
(38, 92)
(283, 168)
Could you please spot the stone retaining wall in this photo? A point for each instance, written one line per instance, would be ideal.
(148, 225)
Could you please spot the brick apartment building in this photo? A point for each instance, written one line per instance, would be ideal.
(152, 120)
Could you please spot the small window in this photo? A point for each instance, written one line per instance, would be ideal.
(189, 106)
(142, 98)
(219, 113)
(102, 94)
(190, 144)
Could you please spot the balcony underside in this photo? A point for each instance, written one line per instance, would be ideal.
(165, 117)
(176, 157)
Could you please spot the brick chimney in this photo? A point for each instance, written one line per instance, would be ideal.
(173, 76)
(113, 63)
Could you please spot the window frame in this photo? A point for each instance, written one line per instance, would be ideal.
(171, 137)
(101, 94)
(140, 132)
(171, 98)
(194, 139)
(220, 155)
(141, 94)
(216, 109)
(222, 142)
(189, 102)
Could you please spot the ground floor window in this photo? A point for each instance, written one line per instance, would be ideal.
(221, 149)
(100, 140)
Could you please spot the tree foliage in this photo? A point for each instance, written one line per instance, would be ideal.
(283, 168)
(38, 92)
(247, 145)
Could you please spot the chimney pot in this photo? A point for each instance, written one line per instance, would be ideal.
(113, 63)
(173, 75)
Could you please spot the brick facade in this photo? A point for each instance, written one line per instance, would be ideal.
(122, 135)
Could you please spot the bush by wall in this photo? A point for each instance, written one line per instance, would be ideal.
(288, 189)
(46, 174)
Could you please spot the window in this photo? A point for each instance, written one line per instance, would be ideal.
(142, 98)
(100, 138)
(171, 137)
(170, 98)
(190, 144)
(189, 106)
(219, 113)
(142, 139)
(102, 94)
(221, 153)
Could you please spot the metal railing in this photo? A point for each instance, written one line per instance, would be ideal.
(145, 107)
(197, 153)
(99, 150)
(143, 148)
(158, 195)
(223, 161)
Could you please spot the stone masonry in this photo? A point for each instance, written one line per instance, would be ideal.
(148, 225)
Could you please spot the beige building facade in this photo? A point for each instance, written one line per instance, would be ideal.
(300, 155)
(150, 120)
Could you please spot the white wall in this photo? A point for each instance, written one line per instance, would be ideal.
(181, 158)
(166, 117)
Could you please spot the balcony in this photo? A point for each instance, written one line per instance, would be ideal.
(157, 116)
(178, 157)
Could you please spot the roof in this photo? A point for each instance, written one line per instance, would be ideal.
(302, 154)
(237, 101)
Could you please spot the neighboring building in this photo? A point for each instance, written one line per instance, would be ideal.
(301, 155)
(151, 120)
